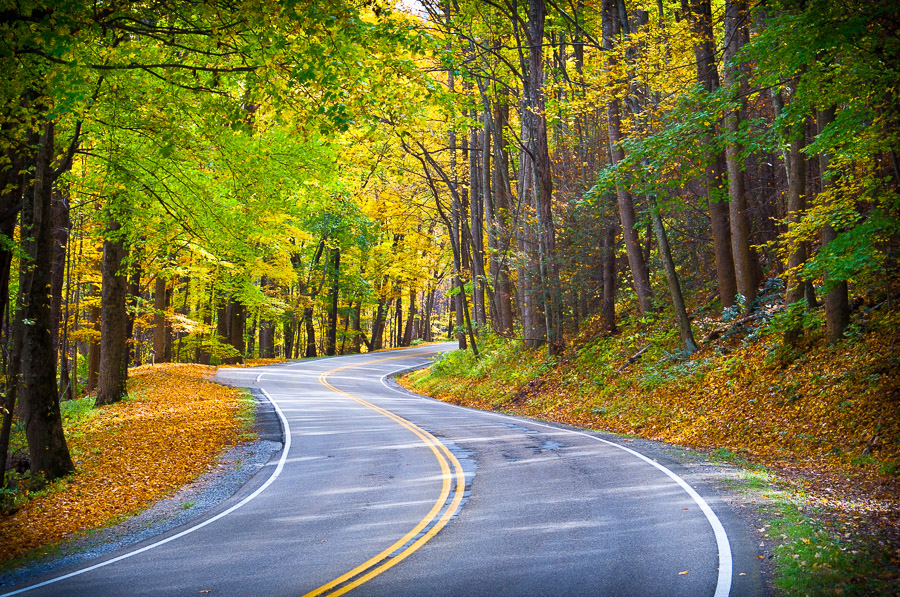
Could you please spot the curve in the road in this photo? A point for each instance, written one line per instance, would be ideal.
(446, 505)
(426, 528)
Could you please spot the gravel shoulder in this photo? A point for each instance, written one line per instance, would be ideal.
(199, 499)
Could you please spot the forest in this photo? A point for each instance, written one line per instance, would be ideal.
(210, 181)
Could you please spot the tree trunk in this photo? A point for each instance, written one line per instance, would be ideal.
(608, 308)
(503, 293)
(236, 322)
(114, 319)
(837, 299)
(310, 351)
(60, 224)
(665, 253)
(736, 15)
(707, 75)
(408, 331)
(331, 337)
(94, 346)
(47, 447)
(612, 23)
(551, 293)
(356, 316)
(162, 332)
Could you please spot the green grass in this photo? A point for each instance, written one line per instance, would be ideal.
(247, 417)
(811, 557)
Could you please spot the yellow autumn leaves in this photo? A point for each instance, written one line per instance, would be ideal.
(175, 426)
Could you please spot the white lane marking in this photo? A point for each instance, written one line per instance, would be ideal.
(723, 584)
(188, 531)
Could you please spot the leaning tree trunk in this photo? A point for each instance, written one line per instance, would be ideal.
(665, 253)
(113, 376)
(47, 447)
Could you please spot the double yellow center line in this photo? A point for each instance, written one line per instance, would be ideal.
(446, 505)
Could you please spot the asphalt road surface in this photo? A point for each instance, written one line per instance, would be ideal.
(381, 492)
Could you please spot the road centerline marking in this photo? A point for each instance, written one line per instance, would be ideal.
(428, 526)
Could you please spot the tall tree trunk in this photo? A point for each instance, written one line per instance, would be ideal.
(612, 24)
(288, 326)
(551, 293)
(476, 228)
(113, 319)
(608, 308)
(310, 328)
(266, 329)
(94, 345)
(705, 53)
(47, 447)
(837, 299)
(408, 331)
(377, 342)
(236, 330)
(134, 290)
(736, 17)
(356, 321)
(502, 227)
(162, 332)
(60, 223)
(795, 166)
(331, 337)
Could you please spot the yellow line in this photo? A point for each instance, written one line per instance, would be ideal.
(442, 454)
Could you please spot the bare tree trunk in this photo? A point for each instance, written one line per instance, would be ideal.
(612, 23)
(94, 346)
(162, 332)
(113, 319)
(701, 14)
(410, 319)
(47, 447)
(236, 325)
(331, 337)
(608, 308)
(60, 224)
(684, 324)
(310, 328)
(356, 316)
(502, 225)
(551, 294)
(837, 299)
(736, 15)
(377, 342)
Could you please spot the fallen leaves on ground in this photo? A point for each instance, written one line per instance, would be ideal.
(175, 426)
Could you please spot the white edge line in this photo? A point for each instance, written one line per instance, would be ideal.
(723, 584)
(188, 531)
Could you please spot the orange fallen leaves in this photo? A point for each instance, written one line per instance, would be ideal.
(131, 455)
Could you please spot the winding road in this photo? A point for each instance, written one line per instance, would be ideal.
(382, 492)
